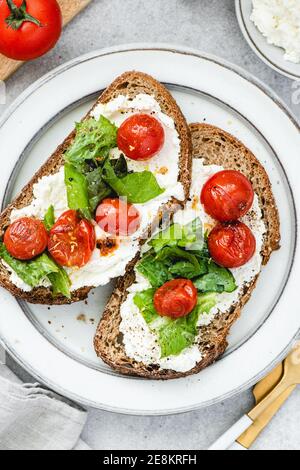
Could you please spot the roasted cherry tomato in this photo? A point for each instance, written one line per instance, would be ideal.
(231, 245)
(26, 238)
(117, 217)
(227, 195)
(71, 240)
(29, 29)
(176, 298)
(140, 137)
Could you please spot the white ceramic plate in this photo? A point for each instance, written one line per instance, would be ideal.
(271, 55)
(53, 344)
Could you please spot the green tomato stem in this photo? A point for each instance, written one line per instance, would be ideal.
(18, 15)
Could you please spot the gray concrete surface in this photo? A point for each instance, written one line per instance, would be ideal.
(209, 25)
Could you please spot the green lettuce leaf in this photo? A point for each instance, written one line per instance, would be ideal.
(93, 140)
(187, 269)
(120, 166)
(90, 175)
(171, 255)
(218, 279)
(60, 282)
(179, 334)
(168, 237)
(97, 188)
(144, 301)
(31, 272)
(185, 236)
(167, 260)
(155, 271)
(77, 190)
(173, 335)
(35, 271)
(193, 239)
(138, 188)
(49, 219)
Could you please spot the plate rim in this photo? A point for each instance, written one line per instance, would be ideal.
(167, 48)
(252, 44)
(157, 46)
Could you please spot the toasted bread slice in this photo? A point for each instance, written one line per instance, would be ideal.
(130, 84)
(216, 147)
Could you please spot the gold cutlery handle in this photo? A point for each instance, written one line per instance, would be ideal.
(269, 399)
(251, 434)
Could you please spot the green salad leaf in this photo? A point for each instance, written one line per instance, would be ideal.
(60, 282)
(97, 189)
(186, 269)
(185, 236)
(138, 188)
(173, 335)
(171, 236)
(120, 166)
(155, 271)
(85, 190)
(180, 252)
(193, 239)
(49, 219)
(217, 279)
(35, 271)
(93, 140)
(31, 272)
(91, 176)
(174, 256)
(171, 258)
(144, 301)
(77, 190)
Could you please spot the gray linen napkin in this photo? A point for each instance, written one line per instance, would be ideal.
(32, 418)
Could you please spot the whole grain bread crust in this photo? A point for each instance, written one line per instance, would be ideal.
(214, 146)
(131, 84)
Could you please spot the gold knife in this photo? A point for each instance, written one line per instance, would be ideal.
(261, 390)
(270, 394)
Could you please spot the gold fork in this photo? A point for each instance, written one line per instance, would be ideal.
(249, 426)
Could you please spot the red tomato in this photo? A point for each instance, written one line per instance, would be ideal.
(227, 195)
(231, 245)
(29, 29)
(71, 240)
(141, 137)
(117, 217)
(175, 298)
(26, 238)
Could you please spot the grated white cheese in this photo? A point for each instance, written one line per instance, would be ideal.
(279, 22)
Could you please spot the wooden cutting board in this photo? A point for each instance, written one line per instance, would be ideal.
(69, 8)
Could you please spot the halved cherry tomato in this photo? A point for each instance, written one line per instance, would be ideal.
(26, 238)
(140, 137)
(227, 195)
(231, 245)
(176, 298)
(29, 29)
(117, 217)
(71, 240)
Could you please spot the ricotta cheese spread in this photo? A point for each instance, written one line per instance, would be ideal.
(279, 22)
(51, 190)
(140, 343)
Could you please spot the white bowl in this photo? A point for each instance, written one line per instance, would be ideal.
(271, 55)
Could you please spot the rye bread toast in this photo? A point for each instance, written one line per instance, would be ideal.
(131, 84)
(216, 147)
